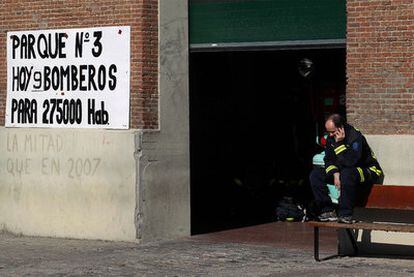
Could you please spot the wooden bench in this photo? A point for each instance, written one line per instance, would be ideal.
(380, 197)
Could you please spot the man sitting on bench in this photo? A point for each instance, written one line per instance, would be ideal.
(349, 164)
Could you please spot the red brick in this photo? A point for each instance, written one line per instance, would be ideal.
(380, 65)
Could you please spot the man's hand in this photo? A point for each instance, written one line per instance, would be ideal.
(339, 134)
(337, 181)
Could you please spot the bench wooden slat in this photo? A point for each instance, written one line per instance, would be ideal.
(391, 227)
(391, 197)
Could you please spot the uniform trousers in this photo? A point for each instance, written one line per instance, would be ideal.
(354, 187)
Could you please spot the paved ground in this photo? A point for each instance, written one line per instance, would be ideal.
(194, 256)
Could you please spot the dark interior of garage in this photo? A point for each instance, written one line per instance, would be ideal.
(254, 118)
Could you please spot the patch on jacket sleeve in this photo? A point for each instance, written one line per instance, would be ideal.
(355, 146)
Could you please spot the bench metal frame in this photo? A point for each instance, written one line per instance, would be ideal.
(388, 227)
(316, 245)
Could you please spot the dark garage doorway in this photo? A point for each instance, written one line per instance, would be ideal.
(253, 125)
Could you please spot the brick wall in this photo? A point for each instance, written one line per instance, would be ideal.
(380, 65)
(141, 15)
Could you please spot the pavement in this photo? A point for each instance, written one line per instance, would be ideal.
(238, 252)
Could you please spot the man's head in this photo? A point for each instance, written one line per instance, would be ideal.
(333, 123)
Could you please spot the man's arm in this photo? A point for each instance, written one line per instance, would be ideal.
(329, 159)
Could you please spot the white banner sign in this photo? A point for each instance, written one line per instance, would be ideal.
(72, 78)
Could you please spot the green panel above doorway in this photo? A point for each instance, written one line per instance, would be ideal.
(226, 21)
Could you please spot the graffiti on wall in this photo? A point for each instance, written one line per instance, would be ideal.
(45, 154)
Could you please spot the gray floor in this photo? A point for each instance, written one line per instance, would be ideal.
(194, 256)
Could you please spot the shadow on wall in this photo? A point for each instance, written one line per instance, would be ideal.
(379, 243)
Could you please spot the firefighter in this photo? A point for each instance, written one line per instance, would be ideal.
(350, 164)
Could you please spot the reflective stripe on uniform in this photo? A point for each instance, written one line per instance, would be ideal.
(331, 167)
(340, 149)
(361, 174)
(375, 170)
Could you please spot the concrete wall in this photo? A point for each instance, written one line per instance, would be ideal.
(68, 183)
(396, 156)
(98, 184)
(164, 165)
